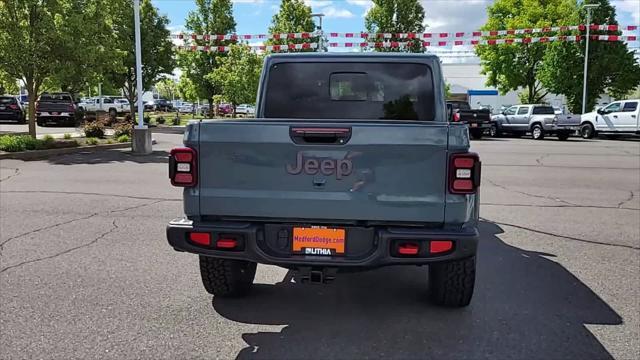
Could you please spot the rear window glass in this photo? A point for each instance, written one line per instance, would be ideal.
(389, 91)
(543, 110)
(56, 97)
(8, 100)
(459, 105)
(630, 106)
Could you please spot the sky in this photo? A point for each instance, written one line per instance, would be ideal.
(254, 16)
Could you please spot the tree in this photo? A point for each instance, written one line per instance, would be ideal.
(612, 67)
(29, 33)
(513, 66)
(239, 75)
(397, 16)
(85, 42)
(157, 49)
(210, 17)
(8, 84)
(187, 90)
(294, 16)
(167, 88)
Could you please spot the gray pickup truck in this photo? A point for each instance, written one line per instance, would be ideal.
(539, 120)
(350, 164)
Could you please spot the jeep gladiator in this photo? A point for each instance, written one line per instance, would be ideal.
(350, 164)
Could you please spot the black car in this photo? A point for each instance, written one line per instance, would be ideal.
(11, 109)
(159, 105)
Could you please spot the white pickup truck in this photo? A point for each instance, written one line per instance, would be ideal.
(619, 117)
(114, 106)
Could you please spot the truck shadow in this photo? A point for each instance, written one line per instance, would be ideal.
(109, 156)
(525, 306)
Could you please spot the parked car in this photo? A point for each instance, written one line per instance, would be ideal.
(186, 108)
(245, 110)
(619, 117)
(159, 105)
(204, 109)
(329, 186)
(478, 120)
(225, 109)
(113, 106)
(539, 120)
(11, 109)
(58, 109)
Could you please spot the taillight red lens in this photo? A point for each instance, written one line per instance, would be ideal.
(464, 173)
(183, 167)
(440, 246)
(200, 238)
(456, 117)
(13, 106)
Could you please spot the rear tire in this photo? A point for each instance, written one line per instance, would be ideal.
(476, 134)
(587, 131)
(451, 283)
(227, 278)
(537, 132)
(563, 136)
(493, 131)
(40, 122)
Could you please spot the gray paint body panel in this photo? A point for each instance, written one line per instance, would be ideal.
(399, 167)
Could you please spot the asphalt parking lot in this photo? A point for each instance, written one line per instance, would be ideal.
(85, 270)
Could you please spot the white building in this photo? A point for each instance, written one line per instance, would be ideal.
(467, 83)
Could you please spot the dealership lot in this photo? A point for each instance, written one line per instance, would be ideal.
(85, 270)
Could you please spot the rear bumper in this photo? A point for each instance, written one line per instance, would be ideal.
(267, 244)
(483, 126)
(560, 127)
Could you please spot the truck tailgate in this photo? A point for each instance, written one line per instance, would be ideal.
(383, 171)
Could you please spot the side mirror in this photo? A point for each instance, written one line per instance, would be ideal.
(601, 111)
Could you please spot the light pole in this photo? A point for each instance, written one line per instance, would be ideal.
(141, 142)
(321, 42)
(587, 7)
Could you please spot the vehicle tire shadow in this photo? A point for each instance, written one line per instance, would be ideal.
(525, 306)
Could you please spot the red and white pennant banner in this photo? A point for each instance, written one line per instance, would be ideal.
(397, 44)
(364, 35)
(444, 35)
(258, 47)
(208, 37)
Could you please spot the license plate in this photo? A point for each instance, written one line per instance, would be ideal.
(55, 113)
(318, 241)
(474, 125)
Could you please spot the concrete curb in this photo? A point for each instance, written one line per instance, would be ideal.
(168, 130)
(43, 154)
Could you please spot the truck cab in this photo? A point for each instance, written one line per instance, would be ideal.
(350, 164)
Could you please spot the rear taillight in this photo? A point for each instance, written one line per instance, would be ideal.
(464, 173)
(72, 107)
(183, 167)
(13, 106)
(456, 116)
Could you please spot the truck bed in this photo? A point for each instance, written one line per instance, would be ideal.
(363, 171)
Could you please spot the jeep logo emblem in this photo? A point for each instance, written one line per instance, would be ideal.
(313, 166)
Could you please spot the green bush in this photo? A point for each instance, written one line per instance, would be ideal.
(92, 141)
(94, 129)
(146, 120)
(13, 143)
(123, 138)
(67, 136)
(123, 128)
(109, 141)
(160, 120)
(48, 139)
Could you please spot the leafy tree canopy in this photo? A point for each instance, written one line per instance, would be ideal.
(396, 16)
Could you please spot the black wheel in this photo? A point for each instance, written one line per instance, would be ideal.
(113, 113)
(451, 283)
(227, 278)
(563, 136)
(476, 134)
(22, 120)
(40, 122)
(537, 132)
(493, 131)
(587, 131)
